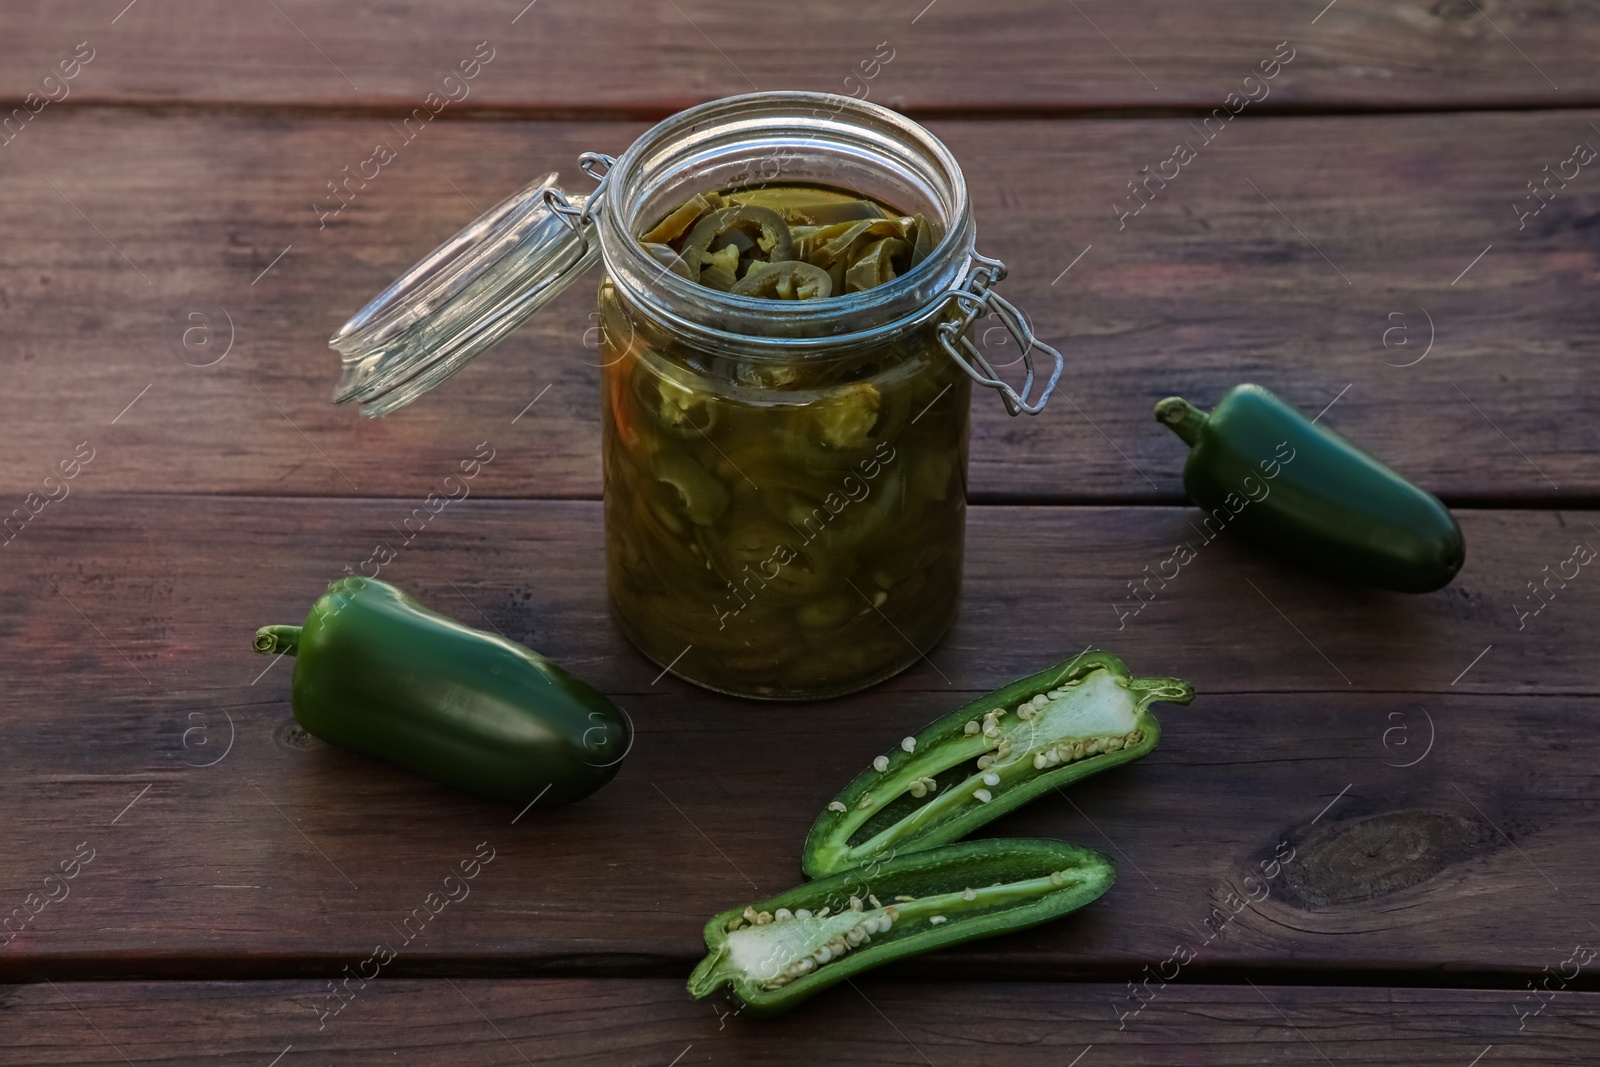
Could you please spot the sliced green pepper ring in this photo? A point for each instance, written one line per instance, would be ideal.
(685, 413)
(703, 497)
(996, 753)
(788, 279)
(777, 952)
(842, 419)
(720, 269)
(830, 243)
(705, 242)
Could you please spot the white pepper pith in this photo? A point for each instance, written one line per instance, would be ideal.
(773, 949)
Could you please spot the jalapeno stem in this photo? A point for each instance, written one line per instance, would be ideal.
(1184, 418)
(271, 640)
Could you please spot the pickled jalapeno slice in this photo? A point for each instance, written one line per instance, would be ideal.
(677, 222)
(743, 228)
(702, 497)
(737, 241)
(789, 279)
(848, 241)
(922, 238)
(876, 265)
(804, 205)
(669, 259)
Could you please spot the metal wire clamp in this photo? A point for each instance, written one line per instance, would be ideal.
(577, 213)
(977, 300)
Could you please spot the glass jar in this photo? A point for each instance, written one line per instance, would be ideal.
(785, 481)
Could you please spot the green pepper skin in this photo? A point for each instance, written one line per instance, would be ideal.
(1302, 491)
(377, 672)
(1037, 881)
(892, 811)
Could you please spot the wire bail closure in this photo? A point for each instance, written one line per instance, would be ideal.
(579, 216)
(977, 300)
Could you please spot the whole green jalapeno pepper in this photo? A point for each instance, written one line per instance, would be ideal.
(1300, 490)
(780, 951)
(377, 672)
(1078, 718)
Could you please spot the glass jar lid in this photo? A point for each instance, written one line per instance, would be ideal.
(466, 295)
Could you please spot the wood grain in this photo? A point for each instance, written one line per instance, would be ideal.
(126, 622)
(881, 1022)
(1214, 283)
(652, 58)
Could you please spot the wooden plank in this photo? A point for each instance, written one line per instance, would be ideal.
(650, 57)
(228, 845)
(1213, 283)
(510, 1022)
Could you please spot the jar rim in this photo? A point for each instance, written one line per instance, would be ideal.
(681, 303)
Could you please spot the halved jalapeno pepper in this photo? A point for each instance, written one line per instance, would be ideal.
(776, 953)
(1000, 751)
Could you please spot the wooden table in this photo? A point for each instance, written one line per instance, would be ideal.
(1361, 240)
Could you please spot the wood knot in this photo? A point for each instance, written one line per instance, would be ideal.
(1375, 857)
(292, 735)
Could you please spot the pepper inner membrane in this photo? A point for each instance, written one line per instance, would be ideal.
(776, 948)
